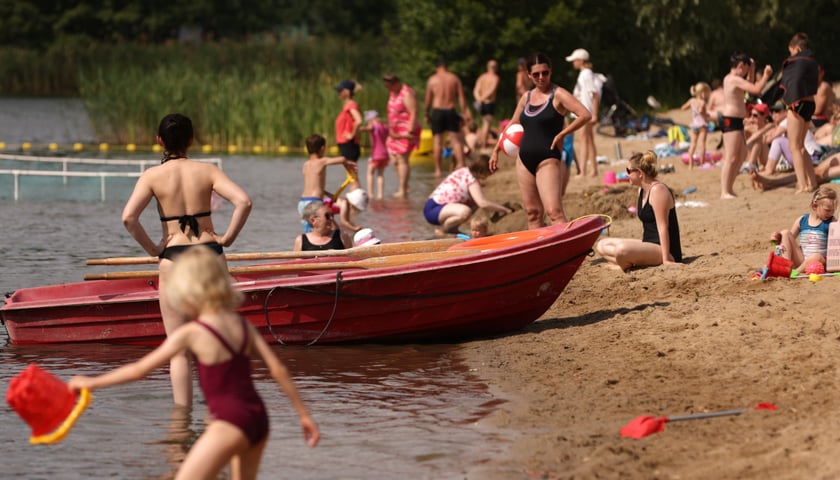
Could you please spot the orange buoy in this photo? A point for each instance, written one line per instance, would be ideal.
(45, 403)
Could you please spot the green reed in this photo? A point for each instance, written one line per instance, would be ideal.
(236, 95)
(266, 94)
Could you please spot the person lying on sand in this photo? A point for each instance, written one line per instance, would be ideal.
(826, 171)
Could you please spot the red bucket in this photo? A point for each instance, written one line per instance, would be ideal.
(778, 266)
(45, 403)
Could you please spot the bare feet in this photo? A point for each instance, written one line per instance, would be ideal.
(728, 196)
(401, 194)
(757, 181)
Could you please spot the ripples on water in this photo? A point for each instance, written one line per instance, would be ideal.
(385, 411)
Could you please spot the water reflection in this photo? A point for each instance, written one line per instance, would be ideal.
(384, 411)
(179, 438)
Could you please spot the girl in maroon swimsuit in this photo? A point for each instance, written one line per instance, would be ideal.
(222, 344)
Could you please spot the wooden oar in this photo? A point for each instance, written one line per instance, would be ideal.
(384, 249)
(374, 262)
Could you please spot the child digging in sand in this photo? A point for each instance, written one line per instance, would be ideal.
(807, 239)
(222, 344)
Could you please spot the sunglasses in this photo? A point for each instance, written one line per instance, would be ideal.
(631, 170)
(541, 73)
(328, 216)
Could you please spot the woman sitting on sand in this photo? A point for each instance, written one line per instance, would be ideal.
(660, 243)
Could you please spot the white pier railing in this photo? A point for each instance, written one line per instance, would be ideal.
(64, 172)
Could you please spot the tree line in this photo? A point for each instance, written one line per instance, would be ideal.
(657, 47)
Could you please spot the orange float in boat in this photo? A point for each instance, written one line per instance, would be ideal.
(504, 240)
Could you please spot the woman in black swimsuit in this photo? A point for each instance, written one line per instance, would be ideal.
(183, 189)
(541, 169)
(325, 235)
(660, 243)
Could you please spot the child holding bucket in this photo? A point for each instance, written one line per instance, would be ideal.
(807, 240)
(222, 343)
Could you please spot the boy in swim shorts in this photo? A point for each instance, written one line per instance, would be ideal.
(315, 174)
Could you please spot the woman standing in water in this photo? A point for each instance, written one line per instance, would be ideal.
(183, 189)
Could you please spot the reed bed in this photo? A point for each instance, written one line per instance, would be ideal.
(239, 95)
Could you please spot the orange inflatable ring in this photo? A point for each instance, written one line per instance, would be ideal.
(504, 240)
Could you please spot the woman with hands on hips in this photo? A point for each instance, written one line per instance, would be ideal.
(542, 170)
(183, 189)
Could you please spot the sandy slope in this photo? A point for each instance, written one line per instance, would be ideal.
(671, 341)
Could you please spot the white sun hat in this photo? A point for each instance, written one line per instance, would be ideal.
(365, 237)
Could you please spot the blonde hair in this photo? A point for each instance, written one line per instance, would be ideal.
(646, 163)
(823, 193)
(479, 220)
(199, 278)
(701, 90)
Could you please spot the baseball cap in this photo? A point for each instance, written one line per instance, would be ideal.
(578, 54)
(346, 85)
(759, 107)
(365, 237)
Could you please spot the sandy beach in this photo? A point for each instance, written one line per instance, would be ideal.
(665, 341)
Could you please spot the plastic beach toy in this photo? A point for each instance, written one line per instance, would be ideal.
(779, 266)
(45, 403)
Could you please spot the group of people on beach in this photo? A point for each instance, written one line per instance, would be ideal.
(195, 285)
(790, 125)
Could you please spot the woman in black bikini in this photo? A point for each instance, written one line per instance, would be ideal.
(183, 189)
(660, 243)
(541, 169)
(325, 235)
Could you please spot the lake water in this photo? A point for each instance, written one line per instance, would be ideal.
(410, 411)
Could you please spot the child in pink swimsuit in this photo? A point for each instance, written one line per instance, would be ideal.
(222, 343)
(378, 152)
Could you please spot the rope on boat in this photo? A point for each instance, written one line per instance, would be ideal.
(327, 326)
(338, 281)
(606, 218)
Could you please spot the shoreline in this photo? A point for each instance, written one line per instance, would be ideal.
(663, 341)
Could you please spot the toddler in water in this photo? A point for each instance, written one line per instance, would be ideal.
(378, 152)
(807, 239)
(222, 344)
(699, 125)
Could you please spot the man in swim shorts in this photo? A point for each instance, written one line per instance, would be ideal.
(443, 89)
(735, 84)
(484, 93)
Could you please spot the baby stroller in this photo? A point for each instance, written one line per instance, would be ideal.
(619, 118)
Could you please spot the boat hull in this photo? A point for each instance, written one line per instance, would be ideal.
(493, 291)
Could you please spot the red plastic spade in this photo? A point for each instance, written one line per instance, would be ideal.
(646, 425)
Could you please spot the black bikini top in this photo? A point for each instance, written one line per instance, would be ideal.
(187, 220)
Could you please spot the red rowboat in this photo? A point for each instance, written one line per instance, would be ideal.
(477, 288)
